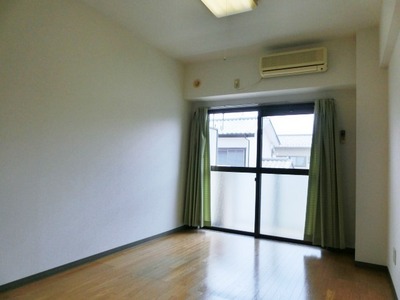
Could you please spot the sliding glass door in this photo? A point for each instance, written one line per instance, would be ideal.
(259, 169)
(286, 147)
(233, 156)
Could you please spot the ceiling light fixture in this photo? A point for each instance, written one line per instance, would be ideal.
(223, 8)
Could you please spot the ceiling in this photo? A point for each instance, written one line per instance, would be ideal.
(187, 31)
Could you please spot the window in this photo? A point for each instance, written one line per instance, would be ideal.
(287, 141)
(234, 157)
(233, 139)
(259, 169)
(299, 161)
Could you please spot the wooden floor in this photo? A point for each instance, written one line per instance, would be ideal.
(213, 265)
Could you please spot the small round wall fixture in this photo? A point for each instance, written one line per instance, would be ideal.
(196, 83)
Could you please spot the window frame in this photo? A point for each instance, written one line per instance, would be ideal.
(263, 111)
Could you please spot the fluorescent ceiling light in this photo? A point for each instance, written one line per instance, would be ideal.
(223, 8)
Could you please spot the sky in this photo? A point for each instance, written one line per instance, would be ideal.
(293, 124)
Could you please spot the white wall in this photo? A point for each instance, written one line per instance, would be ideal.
(371, 155)
(390, 56)
(394, 166)
(389, 29)
(217, 76)
(93, 133)
(346, 119)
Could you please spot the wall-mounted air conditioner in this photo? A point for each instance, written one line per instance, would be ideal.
(294, 63)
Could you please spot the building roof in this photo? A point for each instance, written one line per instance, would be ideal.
(247, 126)
(237, 126)
(283, 163)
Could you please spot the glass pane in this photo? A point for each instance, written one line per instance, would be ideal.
(233, 139)
(233, 200)
(283, 205)
(231, 157)
(287, 141)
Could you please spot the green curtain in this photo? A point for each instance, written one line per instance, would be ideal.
(197, 198)
(324, 217)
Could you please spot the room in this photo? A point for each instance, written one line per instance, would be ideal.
(87, 103)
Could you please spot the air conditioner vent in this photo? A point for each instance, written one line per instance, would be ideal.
(294, 62)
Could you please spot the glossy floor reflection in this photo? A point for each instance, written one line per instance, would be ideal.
(213, 265)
